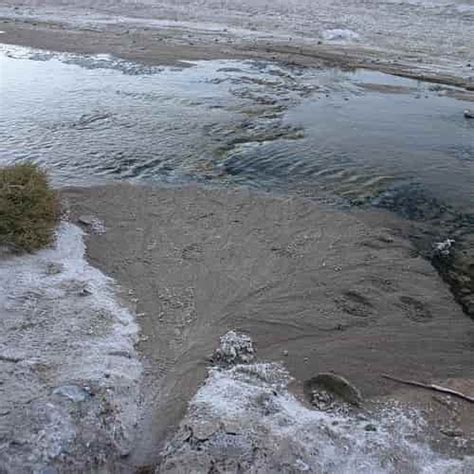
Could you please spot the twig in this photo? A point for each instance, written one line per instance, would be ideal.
(436, 388)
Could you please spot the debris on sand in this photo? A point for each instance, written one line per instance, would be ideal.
(444, 248)
(235, 348)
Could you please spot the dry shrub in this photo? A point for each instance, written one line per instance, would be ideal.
(29, 208)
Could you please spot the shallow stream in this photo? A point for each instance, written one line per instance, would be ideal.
(351, 137)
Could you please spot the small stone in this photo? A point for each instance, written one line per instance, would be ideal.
(84, 292)
(370, 427)
(285, 353)
(93, 224)
(54, 268)
(71, 392)
(469, 114)
(322, 400)
(86, 220)
(204, 429)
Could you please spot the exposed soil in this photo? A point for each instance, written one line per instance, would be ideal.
(335, 294)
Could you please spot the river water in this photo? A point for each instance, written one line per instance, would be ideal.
(355, 137)
(356, 133)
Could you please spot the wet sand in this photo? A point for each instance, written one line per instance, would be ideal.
(337, 294)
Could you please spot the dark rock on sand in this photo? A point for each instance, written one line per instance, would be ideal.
(332, 385)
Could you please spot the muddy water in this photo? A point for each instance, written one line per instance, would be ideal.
(361, 138)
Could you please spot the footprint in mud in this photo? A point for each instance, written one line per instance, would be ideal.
(382, 284)
(355, 303)
(192, 252)
(415, 309)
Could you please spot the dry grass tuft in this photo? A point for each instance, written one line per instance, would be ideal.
(29, 208)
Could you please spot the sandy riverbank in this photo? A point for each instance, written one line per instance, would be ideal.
(383, 36)
(336, 294)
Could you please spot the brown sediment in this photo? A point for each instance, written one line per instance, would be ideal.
(311, 285)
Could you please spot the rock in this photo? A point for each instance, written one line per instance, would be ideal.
(285, 353)
(335, 385)
(322, 400)
(235, 348)
(92, 223)
(203, 430)
(53, 268)
(72, 392)
(469, 114)
(86, 220)
(444, 247)
(370, 427)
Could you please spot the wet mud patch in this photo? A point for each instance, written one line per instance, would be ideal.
(441, 233)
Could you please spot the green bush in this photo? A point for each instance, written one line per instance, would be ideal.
(29, 208)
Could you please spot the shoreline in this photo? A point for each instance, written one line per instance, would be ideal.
(174, 46)
(361, 303)
(318, 289)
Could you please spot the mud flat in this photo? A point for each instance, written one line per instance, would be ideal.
(312, 286)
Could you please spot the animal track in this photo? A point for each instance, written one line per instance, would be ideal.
(192, 252)
(356, 304)
(415, 309)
